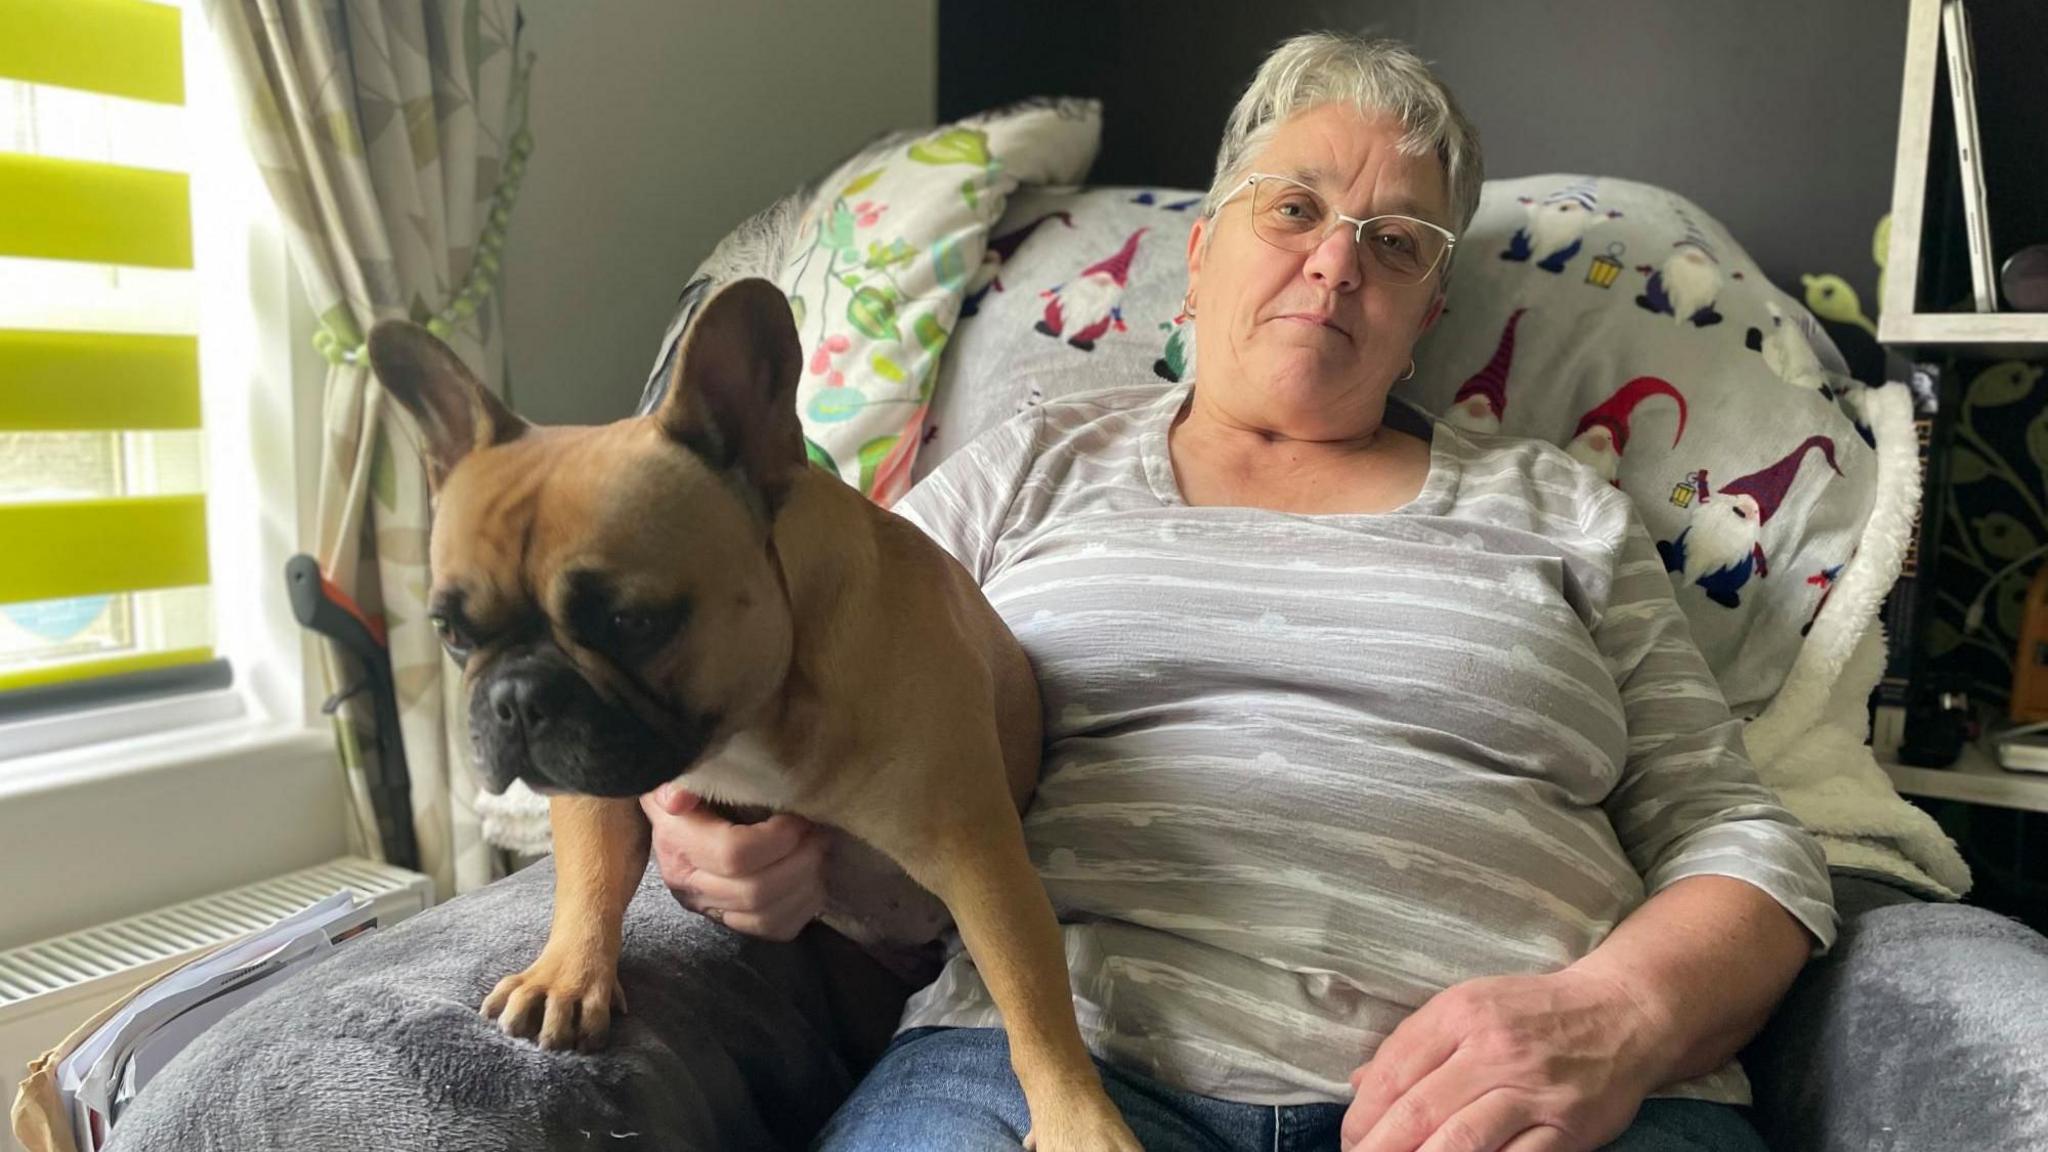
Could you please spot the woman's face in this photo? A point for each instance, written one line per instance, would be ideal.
(1314, 339)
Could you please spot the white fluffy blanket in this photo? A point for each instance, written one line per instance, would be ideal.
(1809, 743)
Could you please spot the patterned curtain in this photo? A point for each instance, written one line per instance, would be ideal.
(391, 134)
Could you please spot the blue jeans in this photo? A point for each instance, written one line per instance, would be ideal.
(951, 1090)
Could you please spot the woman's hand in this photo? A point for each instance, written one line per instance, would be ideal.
(1555, 1063)
(765, 879)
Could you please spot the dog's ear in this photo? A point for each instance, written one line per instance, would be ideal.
(456, 413)
(732, 398)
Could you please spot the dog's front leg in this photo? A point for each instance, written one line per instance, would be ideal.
(976, 862)
(568, 995)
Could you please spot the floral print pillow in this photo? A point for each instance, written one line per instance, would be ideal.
(884, 254)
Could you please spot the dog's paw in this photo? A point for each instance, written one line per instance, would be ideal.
(559, 1003)
(1091, 1125)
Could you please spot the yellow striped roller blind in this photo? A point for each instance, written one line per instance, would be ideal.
(93, 381)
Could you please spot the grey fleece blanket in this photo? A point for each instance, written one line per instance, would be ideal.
(1925, 1029)
(727, 1046)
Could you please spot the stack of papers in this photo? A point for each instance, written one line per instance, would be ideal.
(104, 1073)
(2021, 747)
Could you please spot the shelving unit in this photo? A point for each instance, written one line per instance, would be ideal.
(1925, 224)
(1975, 778)
(1987, 335)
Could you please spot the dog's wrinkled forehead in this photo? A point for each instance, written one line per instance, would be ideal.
(486, 524)
(616, 516)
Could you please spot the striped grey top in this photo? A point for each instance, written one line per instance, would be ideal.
(1305, 771)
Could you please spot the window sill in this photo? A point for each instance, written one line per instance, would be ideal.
(127, 824)
(62, 744)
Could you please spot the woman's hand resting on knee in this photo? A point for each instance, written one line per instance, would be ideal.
(765, 879)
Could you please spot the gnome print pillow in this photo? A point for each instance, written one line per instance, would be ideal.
(1079, 290)
(1613, 318)
(1621, 321)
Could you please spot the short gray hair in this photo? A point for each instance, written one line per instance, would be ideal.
(1372, 75)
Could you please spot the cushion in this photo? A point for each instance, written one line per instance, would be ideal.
(881, 259)
(1613, 318)
(1080, 290)
(1623, 322)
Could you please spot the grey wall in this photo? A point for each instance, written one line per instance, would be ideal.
(658, 125)
(1778, 118)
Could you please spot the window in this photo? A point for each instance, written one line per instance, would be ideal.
(183, 792)
(104, 566)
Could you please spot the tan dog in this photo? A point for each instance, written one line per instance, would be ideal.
(682, 594)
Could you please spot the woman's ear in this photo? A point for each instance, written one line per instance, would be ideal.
(1196, 235)
(1436, 311)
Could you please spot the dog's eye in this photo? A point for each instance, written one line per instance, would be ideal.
(452, 635)
(635, 634)
(634, 627)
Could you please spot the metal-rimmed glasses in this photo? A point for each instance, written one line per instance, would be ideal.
(1290, 215)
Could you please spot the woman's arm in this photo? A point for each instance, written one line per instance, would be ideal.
(1704, 962)
(1737, 897)
(1560, 1062)
(1688, 802)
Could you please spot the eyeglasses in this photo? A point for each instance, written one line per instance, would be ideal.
(1291, 215)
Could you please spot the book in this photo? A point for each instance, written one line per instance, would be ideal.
(1909, 606)
(1962, 92)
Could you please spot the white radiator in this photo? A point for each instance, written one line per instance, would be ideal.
(50, 987)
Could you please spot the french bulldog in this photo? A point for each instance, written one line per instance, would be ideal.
(682, 595)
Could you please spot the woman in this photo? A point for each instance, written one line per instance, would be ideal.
(1387, 803)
